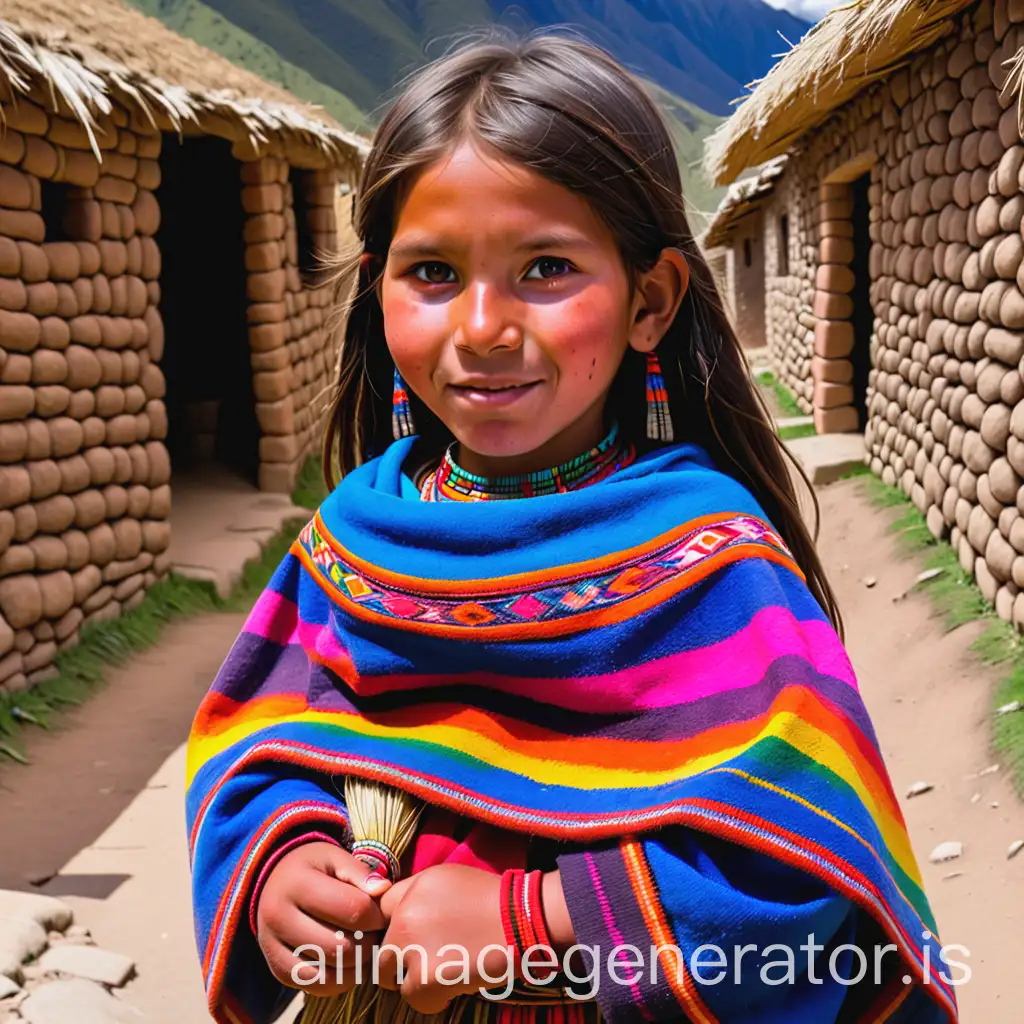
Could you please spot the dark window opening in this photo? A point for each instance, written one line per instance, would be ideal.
(748, 258)
(211, 415)
(784, 245)
(863, 313)
(57, 204)
(309, 262)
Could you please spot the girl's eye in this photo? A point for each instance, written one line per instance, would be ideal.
(434, 272)
(548, 267)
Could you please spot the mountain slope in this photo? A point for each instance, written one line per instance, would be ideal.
(350, 56)
(704, 51)
(197, 21)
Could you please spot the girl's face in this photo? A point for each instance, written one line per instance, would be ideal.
(508, 310)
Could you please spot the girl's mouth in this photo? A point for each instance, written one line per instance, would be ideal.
(479, 395)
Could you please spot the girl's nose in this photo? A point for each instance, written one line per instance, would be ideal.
(484, 321)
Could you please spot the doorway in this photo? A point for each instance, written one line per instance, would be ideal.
(211, 411)
(863, 314)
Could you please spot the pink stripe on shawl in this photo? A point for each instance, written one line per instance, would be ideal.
(274, 618)
(731, 664)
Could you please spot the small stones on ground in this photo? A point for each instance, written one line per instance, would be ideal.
(20, 939)
(946, 851)
(922, 577)
(34, 972)
(74, 999)
(100, 965)
(8, 987)
(50, 913)
(952, 875)
(78, 931)
(869, 581)
(976, 799)
(919, 789)
(1009, 709)
(990, 770)
(994, 804)
(1015, 848)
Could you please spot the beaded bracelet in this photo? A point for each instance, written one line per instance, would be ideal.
(522, 919)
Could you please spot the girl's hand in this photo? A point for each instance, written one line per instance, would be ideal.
(445, 915)
(314, 892)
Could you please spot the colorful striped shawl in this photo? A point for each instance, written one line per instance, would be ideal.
(639, 654)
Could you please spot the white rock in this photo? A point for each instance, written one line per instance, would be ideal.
(976, 799)
(919, 788)
(990, 770)
(8, 987)
(1009, 709)
(1015, 848)
(20, 938)
(52, 914)
(78, 1001)
(870, 581)
(946, 851)
(89, 962)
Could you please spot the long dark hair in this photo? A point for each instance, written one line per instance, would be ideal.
(569, 111)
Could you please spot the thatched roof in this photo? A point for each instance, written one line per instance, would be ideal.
(86, 53)
(743, 198)
(849, 48)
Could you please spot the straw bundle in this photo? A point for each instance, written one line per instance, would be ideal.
(848, 49)
(387, 817)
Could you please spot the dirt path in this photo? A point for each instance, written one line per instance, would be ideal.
(86, 773)
(98, 786)
(931, 702)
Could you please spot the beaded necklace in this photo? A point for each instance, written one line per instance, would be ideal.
(452, 483)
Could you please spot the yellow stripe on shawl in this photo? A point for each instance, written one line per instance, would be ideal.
(786, 726)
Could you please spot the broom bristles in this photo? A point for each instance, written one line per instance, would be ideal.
(387, 816)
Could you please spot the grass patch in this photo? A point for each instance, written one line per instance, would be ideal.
(801, 430)
(310, 489)
(784, 396)
(81, 670)
(957, 599)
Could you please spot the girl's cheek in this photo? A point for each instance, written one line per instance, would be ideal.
(582, 330)
(411, 324)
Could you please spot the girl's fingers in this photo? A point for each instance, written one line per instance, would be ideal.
(397, 966)
(393, 896)
(306, 975)
(341, 903)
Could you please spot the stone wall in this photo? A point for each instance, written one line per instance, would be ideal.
(85, 492)
(945, 395)
(746, 284)
(790, 269)
(84, 477)
(293, 354)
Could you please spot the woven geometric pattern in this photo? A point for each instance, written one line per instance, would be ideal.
(532, 602)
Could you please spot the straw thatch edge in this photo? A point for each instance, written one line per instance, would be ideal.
(743, 198)
(848, 49)
(89, 82)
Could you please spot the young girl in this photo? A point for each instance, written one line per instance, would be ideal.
(572, 608)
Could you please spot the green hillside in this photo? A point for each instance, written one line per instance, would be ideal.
(196, 20)
(690, 126)
(366, 42)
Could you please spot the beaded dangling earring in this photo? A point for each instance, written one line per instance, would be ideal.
(401, 414)
(659, 419)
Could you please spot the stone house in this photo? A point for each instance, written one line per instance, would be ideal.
(734, 244)
(161, 301)
(894, 256)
